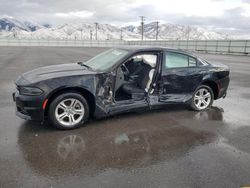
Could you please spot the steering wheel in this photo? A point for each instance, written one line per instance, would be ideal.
(125, 71)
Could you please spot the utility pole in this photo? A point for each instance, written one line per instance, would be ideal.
(121, 34)
(91, 34)
(157, 30)
(188, 33)
(81, 34)
(142, 26)
(14, 33)
(96, 25)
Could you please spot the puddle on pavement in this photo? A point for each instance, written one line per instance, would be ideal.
(128, 141)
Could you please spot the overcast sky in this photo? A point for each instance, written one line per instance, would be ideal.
(232, 16)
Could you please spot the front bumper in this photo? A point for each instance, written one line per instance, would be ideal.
(28, 107)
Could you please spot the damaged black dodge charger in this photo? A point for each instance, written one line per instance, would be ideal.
(118, 80)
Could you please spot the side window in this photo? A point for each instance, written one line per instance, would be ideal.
(191, 62)
(175, 60)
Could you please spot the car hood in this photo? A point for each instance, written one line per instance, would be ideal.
(53, 71)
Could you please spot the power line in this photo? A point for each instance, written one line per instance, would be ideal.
(142, 26)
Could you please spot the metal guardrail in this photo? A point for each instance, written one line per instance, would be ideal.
(223, 46)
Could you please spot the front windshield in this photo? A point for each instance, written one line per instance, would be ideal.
(106, 60)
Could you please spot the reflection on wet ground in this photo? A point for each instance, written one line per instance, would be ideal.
(130, 140)
(173, 147)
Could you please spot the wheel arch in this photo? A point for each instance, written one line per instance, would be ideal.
(84, 92)
(213, 85)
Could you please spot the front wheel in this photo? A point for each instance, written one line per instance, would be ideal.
(202, 98)
(69, 111)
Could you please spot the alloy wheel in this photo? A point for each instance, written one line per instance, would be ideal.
(69, 112)
(202, 98)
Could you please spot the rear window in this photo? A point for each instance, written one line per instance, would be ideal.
(178, 60)
(175, 60)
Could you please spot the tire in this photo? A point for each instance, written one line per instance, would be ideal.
(69, 111)
(202, 98)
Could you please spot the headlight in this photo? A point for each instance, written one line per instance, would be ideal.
(30, 91)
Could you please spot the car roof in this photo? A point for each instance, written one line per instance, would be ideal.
(133, 49)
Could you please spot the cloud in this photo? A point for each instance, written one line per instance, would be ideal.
(76, 14)
(246, 1)
(223, 15)
(231, 21)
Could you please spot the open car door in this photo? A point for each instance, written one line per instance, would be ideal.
(133, 81)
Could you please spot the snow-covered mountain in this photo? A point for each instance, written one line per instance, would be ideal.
(176, 32)
(12, 24)
(13, 28)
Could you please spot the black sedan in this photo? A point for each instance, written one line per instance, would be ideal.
(116, 81)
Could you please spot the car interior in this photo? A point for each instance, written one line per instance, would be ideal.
(134, 77)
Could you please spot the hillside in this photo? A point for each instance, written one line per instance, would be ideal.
(14, 28)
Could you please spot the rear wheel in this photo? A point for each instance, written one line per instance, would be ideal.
(69, 111)
(202, 99)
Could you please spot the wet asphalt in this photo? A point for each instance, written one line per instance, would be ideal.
(173, 147)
